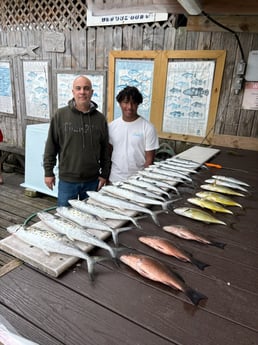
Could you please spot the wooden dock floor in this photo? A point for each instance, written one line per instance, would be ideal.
(122, 307)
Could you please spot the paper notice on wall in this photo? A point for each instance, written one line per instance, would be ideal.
(250, 99)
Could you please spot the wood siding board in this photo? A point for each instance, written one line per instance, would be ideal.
(158, 41)
(181, 38)
(91, 49)
(204, 41)
(192, 41)
(117, 38)
(218, 40)
(147, 42)
(137, 37)
(100, 43)
(169, 40)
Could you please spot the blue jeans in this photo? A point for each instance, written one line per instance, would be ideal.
(74, 190)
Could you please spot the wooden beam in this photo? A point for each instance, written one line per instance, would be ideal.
(235, 23)
(245, 143)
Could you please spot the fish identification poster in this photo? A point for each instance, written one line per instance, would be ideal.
(187, 97)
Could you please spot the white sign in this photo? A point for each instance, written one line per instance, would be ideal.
(127, 18)
(250, 99)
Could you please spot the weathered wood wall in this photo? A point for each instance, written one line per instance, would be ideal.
(88, 49)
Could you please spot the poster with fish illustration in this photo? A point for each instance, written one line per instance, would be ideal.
(6, 101)
(138, 73)
(187, 97)
(64, 83)
(36, 85)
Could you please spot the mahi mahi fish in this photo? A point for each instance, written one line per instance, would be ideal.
(232, 185)
(182, 232)
(88, 221)
(74, 231)
(136, 197)
(221, 189)
(211, 205)
(166, 246)
(121, 204)
(230, 179)
(196, 214)
(219, 198)
(155, 270)
(52, 242)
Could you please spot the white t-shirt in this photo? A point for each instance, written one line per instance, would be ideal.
(130, 140)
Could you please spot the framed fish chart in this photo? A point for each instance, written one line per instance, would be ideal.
(183, 90)
(192, 86)
(36, 86)
(64, 81)
(6, 89)
(132, 68)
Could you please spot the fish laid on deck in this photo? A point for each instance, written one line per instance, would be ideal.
(147, 184)
(101, 212)
(74, 231)
(155, 270)
(232, 185)
(158, 183)
(88, 221)
(221, 189)
(211, 205)
(184, 233)
(166, 246)
(122, 204)
(219, 198)
(170, 165)
(52, 242)
(196, 214)
(140, 190)
(135, 197)
(230, 179)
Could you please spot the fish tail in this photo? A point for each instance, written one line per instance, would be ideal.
(166, 204)
(155, 217)
(218, 244)
(136, 223)
(116, 232)
(91, 261)
(201, 265)
(194, 295)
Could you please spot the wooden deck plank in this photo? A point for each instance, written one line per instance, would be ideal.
(122, 306)
(67, 315)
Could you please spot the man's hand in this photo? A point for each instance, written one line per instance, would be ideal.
(102, 182)
(50, 182)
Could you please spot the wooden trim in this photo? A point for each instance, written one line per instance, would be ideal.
(245, 143)
(161, 60)
(235, 23)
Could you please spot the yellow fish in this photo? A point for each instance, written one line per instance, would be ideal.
(221, 189)
(211, 205)
(195, 213)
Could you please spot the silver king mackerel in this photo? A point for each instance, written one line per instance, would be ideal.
(101, 212)
(117, 203)
(74, 231)
(136, 197)
(52, 242)
(87, 220)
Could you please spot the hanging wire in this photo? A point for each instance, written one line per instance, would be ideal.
(226, 28)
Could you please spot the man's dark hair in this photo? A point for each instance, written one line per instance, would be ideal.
(130, 93)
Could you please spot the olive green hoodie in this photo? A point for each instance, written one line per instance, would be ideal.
(80, 141)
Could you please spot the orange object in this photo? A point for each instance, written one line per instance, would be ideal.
(212, 165)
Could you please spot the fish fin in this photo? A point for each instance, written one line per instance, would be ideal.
(194, 295)
(218, 244)
(117, 231)
(201, 265)
(91, 261)
(167, 203)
